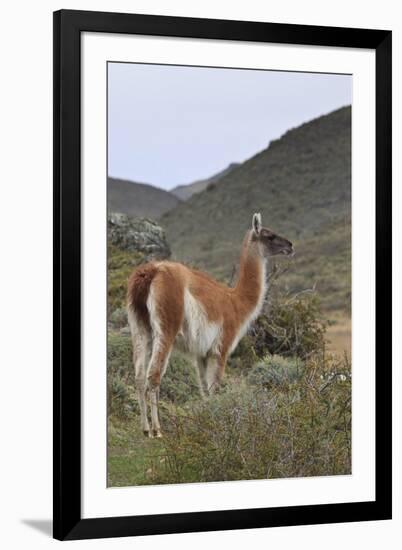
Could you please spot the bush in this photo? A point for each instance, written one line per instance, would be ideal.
(122, 400)
(275, 370)
(180, 382)
(288, 326)
(299, 428)
(292, 326)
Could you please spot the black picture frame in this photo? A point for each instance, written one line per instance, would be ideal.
(68, 26)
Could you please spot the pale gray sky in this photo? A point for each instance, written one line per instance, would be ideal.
(171, 125)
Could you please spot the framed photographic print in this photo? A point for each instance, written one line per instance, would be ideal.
(222, 274)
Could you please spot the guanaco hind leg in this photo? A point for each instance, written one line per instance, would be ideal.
(141, 340)
(161, 350)
(166, 314)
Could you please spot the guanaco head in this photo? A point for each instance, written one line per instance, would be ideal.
(269, 243)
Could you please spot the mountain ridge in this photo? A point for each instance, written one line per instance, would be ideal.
(138, 199)
(185, 191)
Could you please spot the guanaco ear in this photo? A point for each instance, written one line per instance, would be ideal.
(256, 225)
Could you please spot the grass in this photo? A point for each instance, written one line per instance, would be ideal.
(131, 457)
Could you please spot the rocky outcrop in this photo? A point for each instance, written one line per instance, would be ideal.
(138, 235)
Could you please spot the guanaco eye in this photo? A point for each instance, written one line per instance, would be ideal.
(271, 237)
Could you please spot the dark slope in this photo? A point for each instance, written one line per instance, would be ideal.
(138, 199)
(184, 192)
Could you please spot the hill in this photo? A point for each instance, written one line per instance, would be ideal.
(138, 199)
(302, 186)
(184, 192)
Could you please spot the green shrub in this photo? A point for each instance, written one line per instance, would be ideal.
(298, 428)
(275, 370)
(288, 326)
(122, 400)
(292, 326)
(180, 382)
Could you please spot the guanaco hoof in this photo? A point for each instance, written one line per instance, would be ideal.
(146, 433)
(157, 433)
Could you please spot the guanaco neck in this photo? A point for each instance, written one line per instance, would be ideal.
(250, 287)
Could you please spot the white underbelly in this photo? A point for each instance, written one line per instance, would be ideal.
(198, 336)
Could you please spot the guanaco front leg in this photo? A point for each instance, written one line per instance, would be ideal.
(202, 375)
